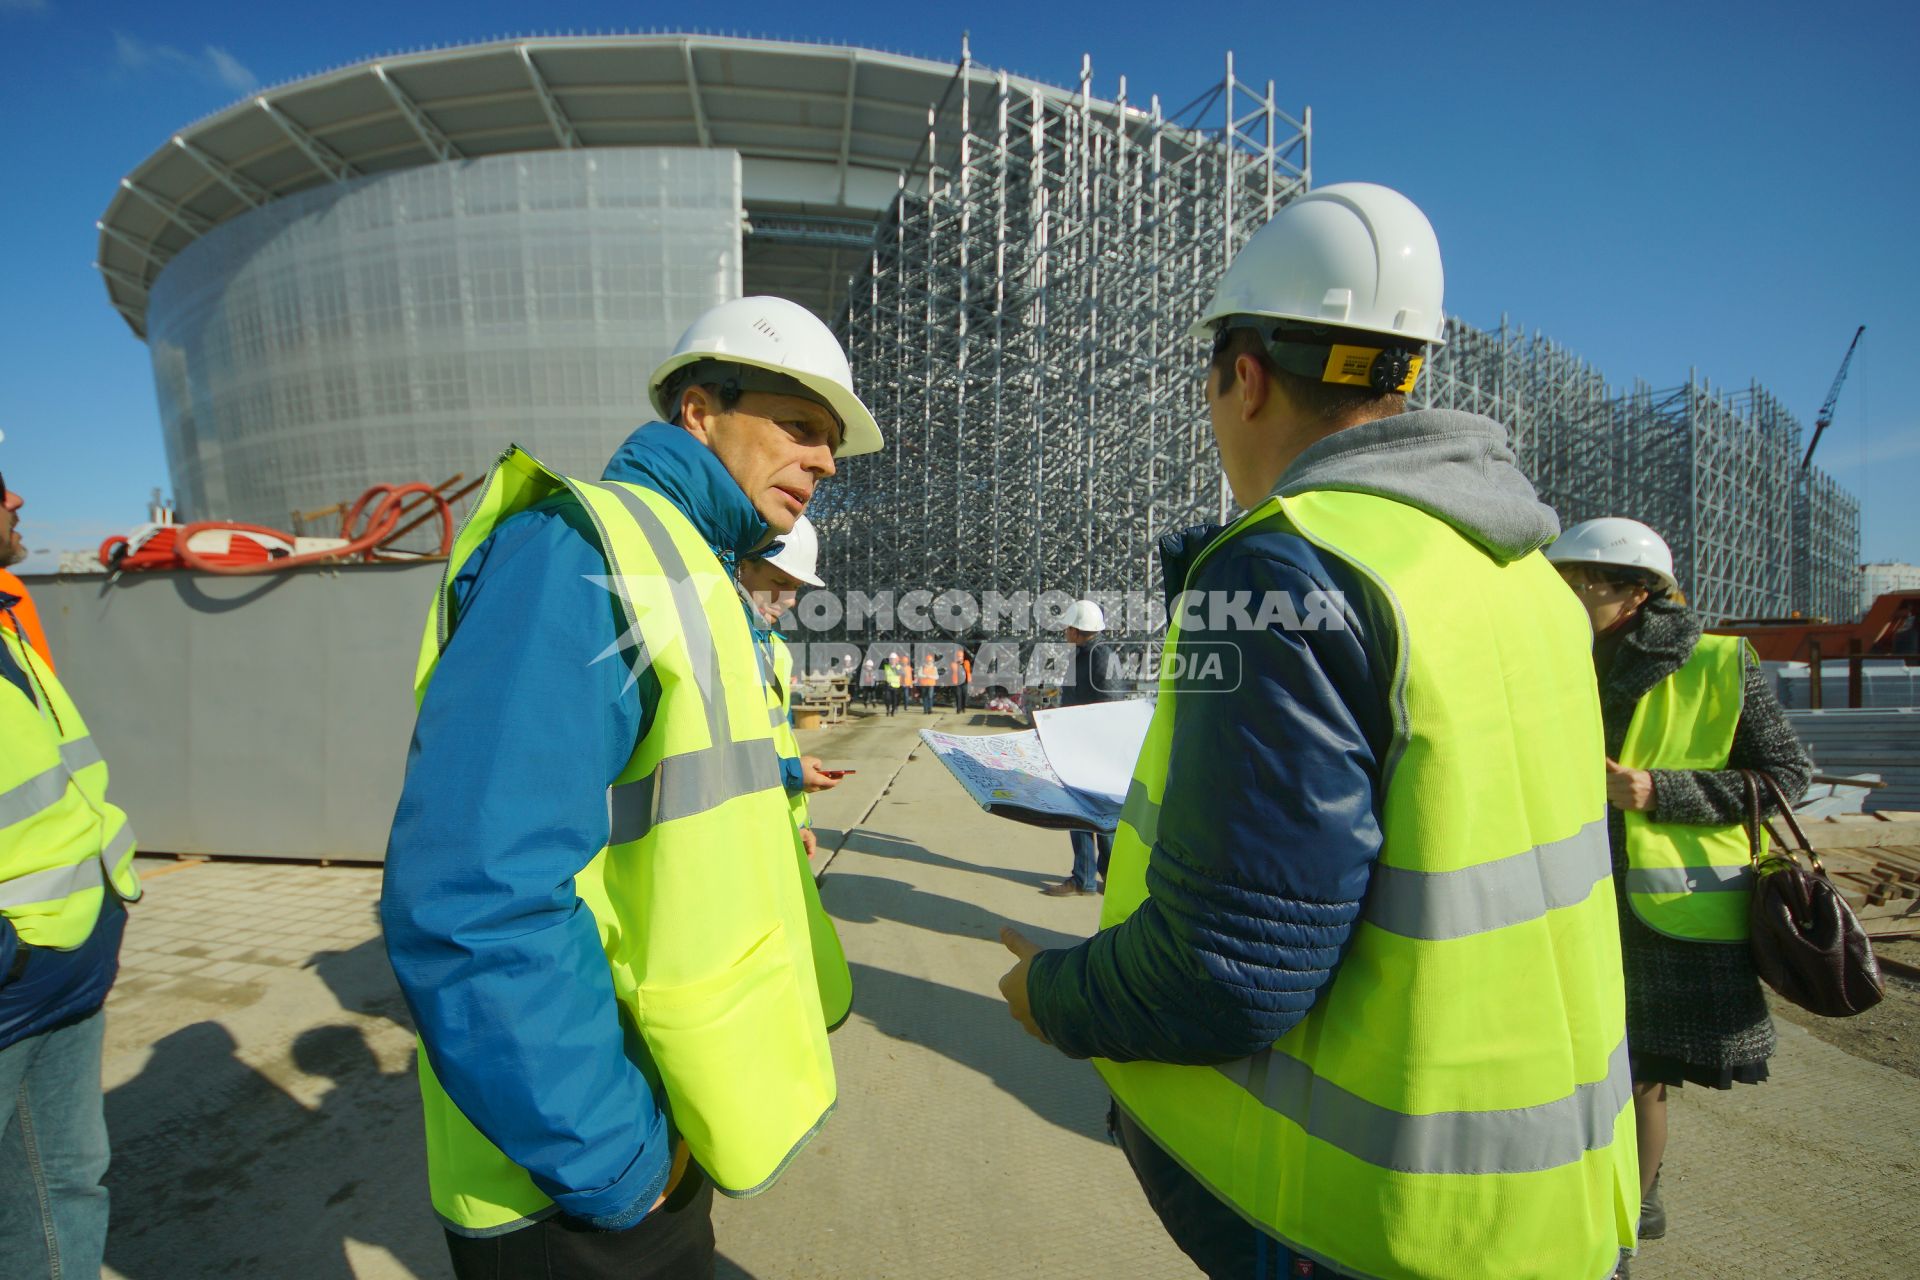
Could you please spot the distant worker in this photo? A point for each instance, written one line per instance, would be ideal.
(24, 617)
(773, 580)
(959, 673)
(896, 683)
(1095, 678)
(868, 674)
(929, 679)
(66, 873)
(1357, 988)
(1685, 712)
(593, 901)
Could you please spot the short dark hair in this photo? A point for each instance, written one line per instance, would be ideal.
(1330, 402)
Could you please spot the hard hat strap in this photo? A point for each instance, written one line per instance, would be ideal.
(734, 380)
(1385, 368)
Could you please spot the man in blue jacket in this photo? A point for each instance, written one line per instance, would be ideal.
(523, 729)
(1272, 818)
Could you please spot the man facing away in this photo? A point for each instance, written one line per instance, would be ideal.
(1093, 679)
(592, 900)
(1357, 992)
(66, 871)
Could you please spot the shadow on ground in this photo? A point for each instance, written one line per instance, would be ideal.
(859, 899)
(885, 846)
(976, 1032)
(218, 1170)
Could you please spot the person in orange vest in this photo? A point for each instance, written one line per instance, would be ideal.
(960, 672)
(929, 677)
(13, 549)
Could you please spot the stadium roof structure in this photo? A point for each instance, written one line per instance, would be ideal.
(826, 136)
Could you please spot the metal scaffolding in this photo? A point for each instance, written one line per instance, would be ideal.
(1021, 330)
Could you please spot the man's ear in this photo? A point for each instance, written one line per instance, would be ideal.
(697, 412)
(1252, 385)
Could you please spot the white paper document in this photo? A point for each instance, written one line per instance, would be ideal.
(1071, 772)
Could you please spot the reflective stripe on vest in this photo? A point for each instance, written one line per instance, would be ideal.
(1683, 880)
(682, 786)
(701, 903)
(1458, 1100)
(63, 845)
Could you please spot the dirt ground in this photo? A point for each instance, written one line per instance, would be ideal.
(1888, 1033)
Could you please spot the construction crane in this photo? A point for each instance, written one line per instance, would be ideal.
(1825, 419)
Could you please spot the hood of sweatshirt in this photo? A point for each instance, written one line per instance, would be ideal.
(1452, 465)
(668, 460)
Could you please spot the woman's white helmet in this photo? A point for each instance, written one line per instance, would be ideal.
(1354, 255)
(1615, 542)
(799, 553)
(783, 337)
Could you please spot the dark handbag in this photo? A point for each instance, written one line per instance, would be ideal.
(1806, 942)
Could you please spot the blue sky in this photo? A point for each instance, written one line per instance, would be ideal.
(1724, 187)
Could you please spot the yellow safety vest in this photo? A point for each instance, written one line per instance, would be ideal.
(1457, 1101)
(829, 960)
(1686, 881)
(62, 845)
(703, 918)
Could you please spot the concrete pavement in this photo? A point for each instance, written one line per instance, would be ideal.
(265, 1120)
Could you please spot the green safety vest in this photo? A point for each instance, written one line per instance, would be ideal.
(705, 924)
(1686, 881)
(829, 961)
(1457, 1101)
(62, 845)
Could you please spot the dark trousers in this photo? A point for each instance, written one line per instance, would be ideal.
(960, 697)
(674, 1242)
(926, 699)
(1221, 1242)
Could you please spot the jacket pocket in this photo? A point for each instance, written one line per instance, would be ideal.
(746, 1083)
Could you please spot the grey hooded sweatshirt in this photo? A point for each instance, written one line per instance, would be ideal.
(1270, 824)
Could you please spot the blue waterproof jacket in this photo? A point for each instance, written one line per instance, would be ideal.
(1270, 823)
(42, 989)
(524, 726)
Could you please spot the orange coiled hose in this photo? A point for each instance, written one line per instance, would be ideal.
(170, 548)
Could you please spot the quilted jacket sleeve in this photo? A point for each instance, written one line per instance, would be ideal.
(1267, 835)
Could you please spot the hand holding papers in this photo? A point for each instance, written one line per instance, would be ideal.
(1072, 771)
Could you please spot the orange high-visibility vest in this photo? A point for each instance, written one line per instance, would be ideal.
(29, 617)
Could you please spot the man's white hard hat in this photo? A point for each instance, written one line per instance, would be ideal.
(1086, 616)
(786, 338)
(1615, 542)
(1354, 255)
(799, 553)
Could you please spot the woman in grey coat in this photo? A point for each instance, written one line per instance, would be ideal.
(1695, 1010)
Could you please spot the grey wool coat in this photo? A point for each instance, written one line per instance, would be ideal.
(1697, 1002)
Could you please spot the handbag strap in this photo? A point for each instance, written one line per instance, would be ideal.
(1755, 779)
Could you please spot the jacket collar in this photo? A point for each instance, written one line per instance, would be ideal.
(669, 461)
(1658, 644)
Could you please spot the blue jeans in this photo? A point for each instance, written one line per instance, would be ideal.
(53, 1153)
(1089, 868)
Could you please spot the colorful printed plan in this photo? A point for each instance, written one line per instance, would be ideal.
(1011, 774)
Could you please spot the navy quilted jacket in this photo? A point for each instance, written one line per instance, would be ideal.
(1270, 824)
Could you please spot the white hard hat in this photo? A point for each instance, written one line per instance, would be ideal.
(1615, 542)
(786, 338)
(1086, 616)
(799, 553)
(1353, 255)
